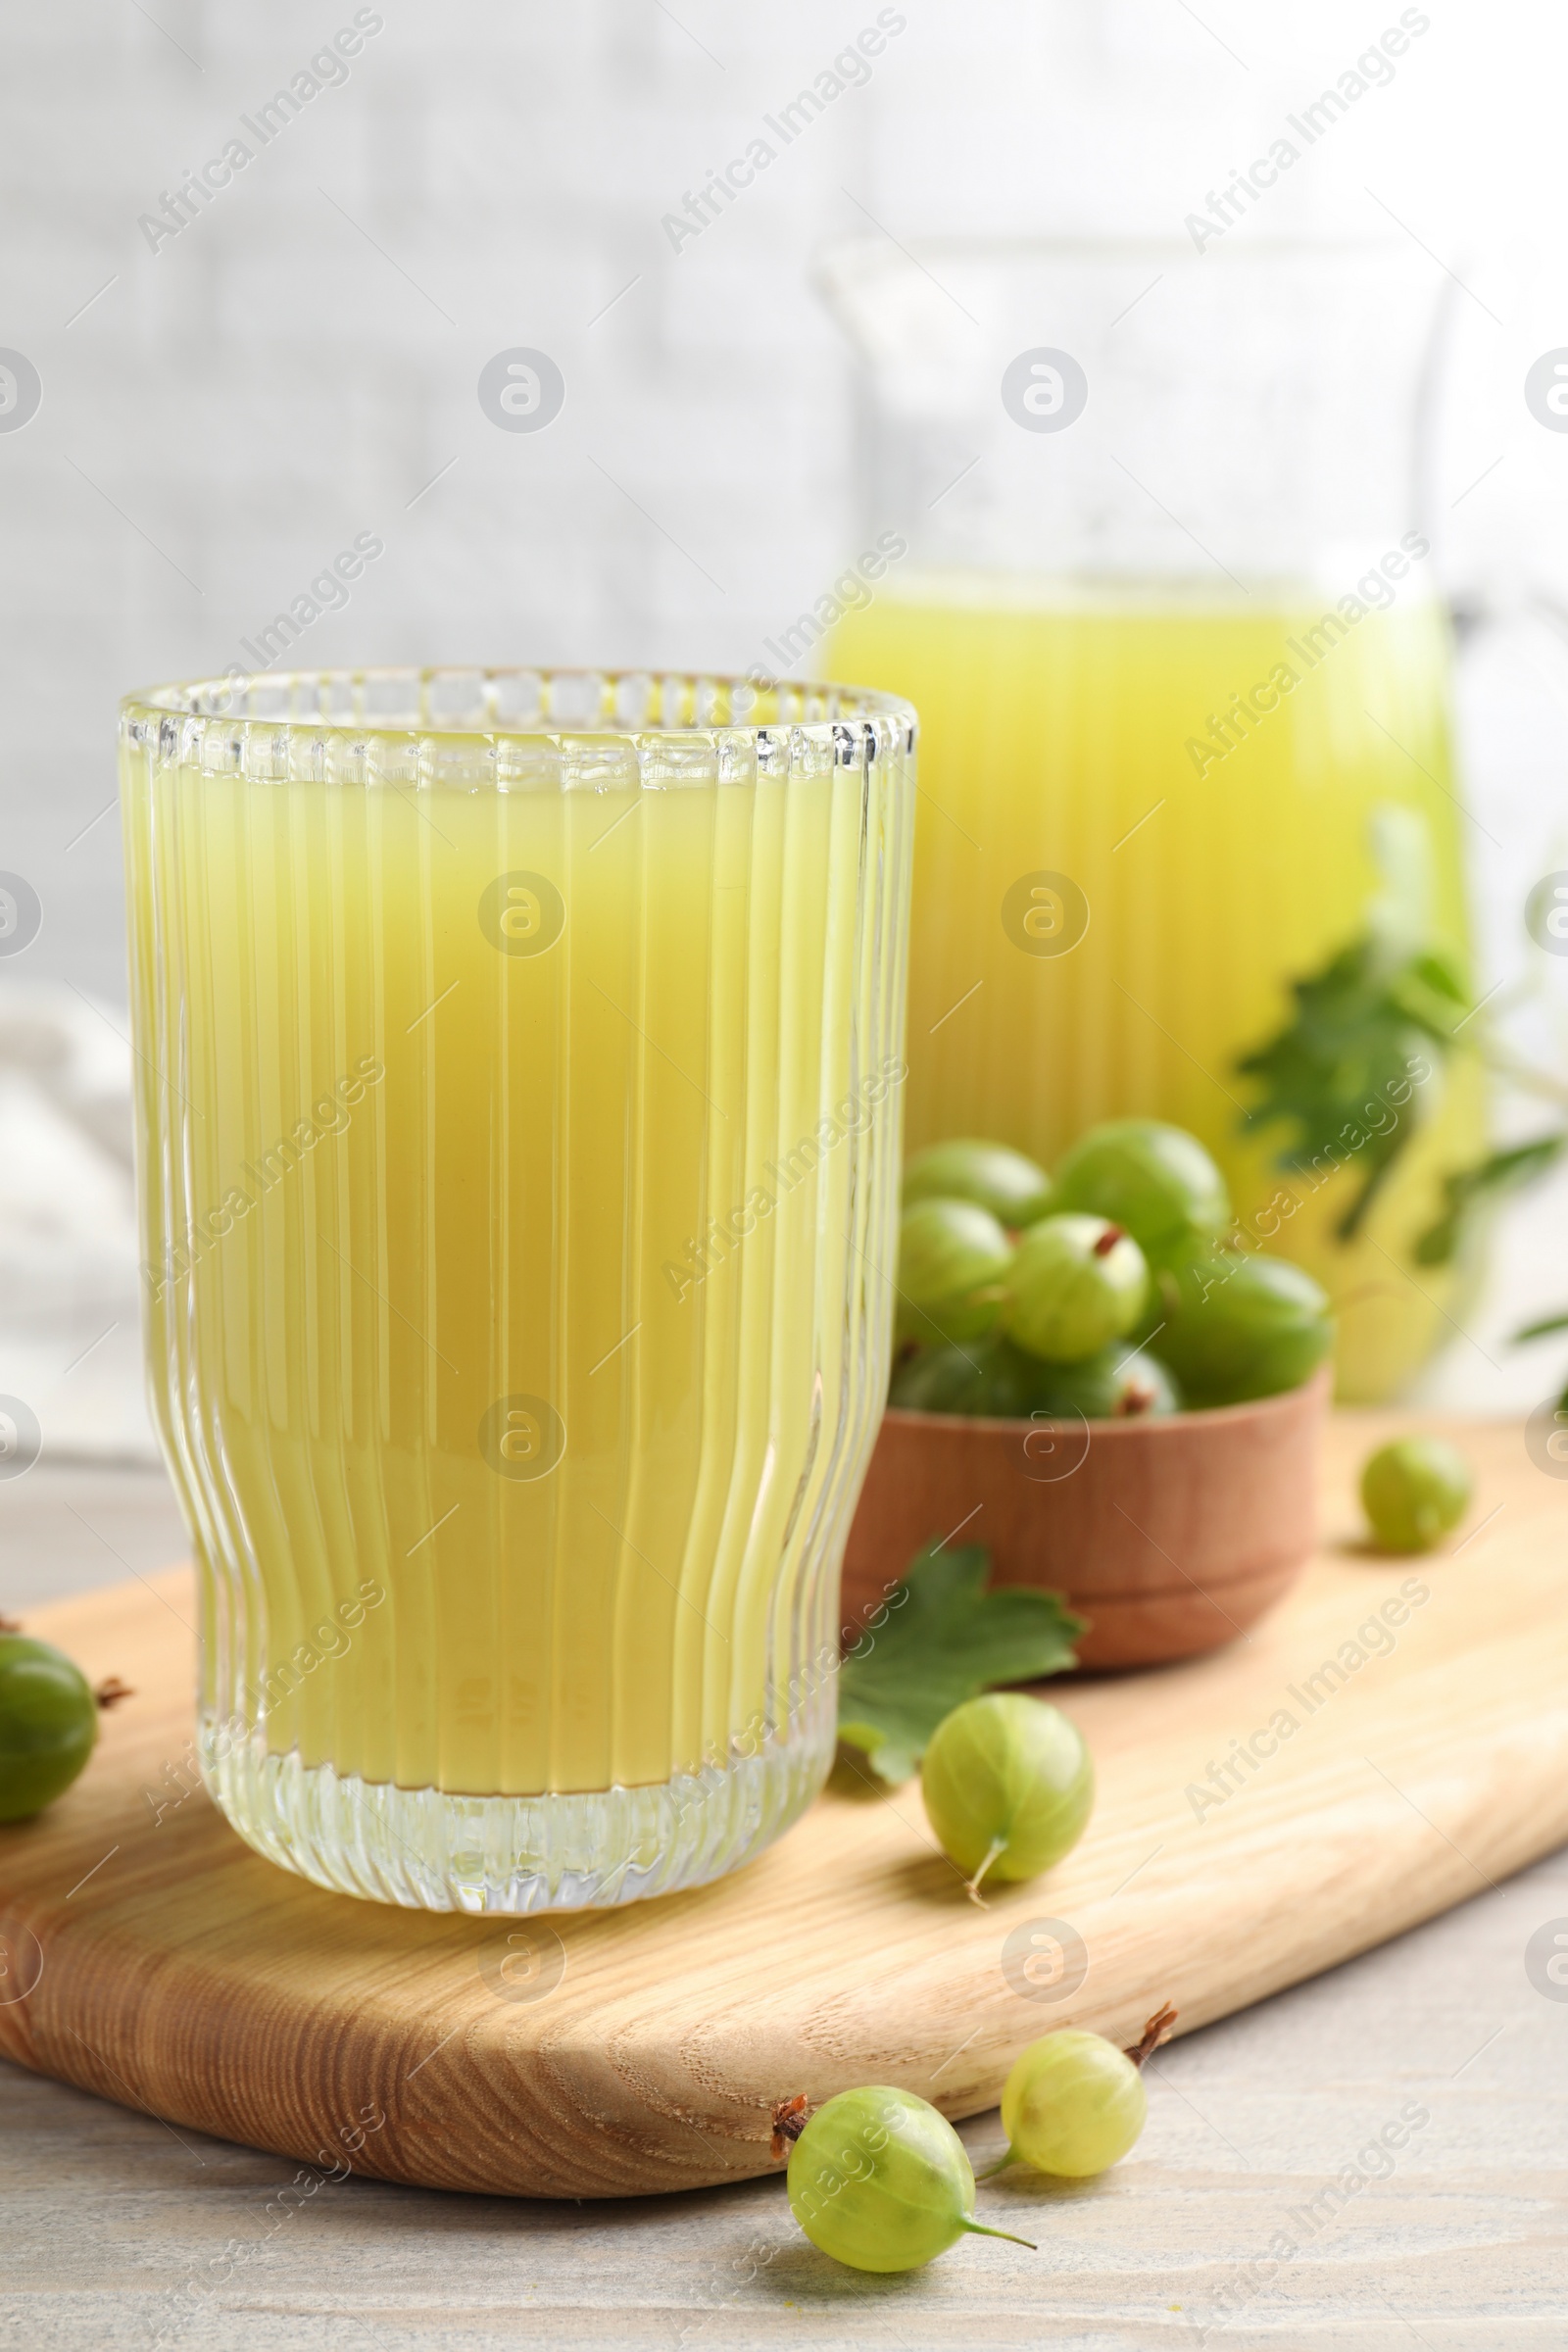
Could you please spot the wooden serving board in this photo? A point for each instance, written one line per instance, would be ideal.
(152, 1957)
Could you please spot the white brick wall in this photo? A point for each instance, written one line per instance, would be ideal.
(268, 383)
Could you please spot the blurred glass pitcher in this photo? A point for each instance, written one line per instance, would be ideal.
(1170, 620)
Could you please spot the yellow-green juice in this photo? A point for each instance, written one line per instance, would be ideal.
(518, 1168)
(1057, 737)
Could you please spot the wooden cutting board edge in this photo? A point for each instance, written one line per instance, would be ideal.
(654, 2066)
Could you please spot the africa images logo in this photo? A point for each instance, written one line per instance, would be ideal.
(1545, 913)
(521, 389)
(523, 1437)
(20, 391)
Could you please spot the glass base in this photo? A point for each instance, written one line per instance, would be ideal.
(430, 1851)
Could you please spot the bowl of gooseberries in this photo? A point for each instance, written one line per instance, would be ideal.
(1103, 1378)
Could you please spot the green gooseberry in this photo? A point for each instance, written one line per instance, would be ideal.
(953, 1255)
(1120, 1384)
(880, 2179)
(1076, 1284)
(1073, 2103)
(1238, 1326)
(1413, 1492)
(1008, 1784)
(997, 1380)
(48, 1724)
(1153, 1180)
(988, 1377)
(1013, 1188)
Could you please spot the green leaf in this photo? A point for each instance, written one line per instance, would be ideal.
(1543, 1330)
(941, 1639)
(1334, 1075)
(1382, 1006)
(1469, 1190)
(1430, 990)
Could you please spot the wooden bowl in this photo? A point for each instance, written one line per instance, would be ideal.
(1171, 1535)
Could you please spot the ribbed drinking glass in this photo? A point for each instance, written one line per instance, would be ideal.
(520, 1084)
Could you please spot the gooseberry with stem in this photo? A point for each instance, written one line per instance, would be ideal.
(1074, 1284)
(1008, 1784)
(1073, 2103)
(879, 2178)
(48, 1723)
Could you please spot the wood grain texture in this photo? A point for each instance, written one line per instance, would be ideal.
(179, 1973)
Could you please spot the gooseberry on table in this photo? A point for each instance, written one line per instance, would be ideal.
(48, 1723)
(1073, 2103)
(1008, 1786)
(879, 2178)
(1413, 1492)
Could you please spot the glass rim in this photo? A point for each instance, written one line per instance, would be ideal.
(505, 701)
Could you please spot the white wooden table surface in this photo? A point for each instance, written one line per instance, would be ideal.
(1219, 2230)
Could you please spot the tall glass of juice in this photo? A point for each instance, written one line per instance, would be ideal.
(520, 1084)
(1169, 613)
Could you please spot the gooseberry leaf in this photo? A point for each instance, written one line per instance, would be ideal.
(1336, 1076)
(1543, 1330)
(941, 1637)
(1345, 1055)
(1468, 1191)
